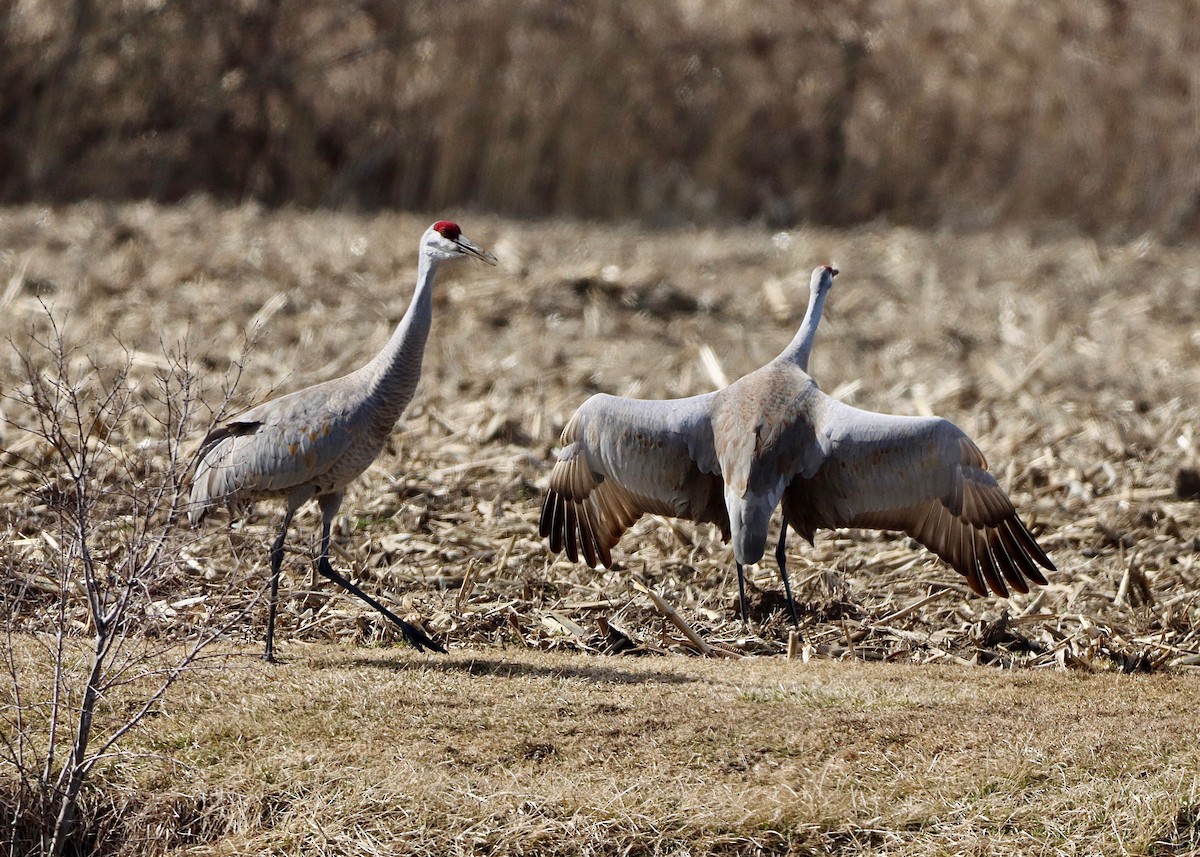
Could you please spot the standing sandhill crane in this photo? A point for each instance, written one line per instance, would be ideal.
(731, 456)
(312, 443)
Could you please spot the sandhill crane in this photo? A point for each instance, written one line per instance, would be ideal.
(732, 456)
(312, 443)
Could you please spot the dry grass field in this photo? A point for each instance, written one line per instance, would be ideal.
(363, 751)
(1073, 364)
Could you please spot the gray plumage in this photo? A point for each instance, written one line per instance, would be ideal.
(771, 439)
(314, 442)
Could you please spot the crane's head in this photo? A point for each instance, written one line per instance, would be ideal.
(822, 278)
(444, 240)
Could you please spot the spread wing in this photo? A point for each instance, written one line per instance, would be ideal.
(622, 458)
(923, 476)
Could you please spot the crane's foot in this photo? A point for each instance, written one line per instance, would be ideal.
(422, 640)
(415, 636)
(418, 638)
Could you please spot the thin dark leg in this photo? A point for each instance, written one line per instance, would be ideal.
(276, 566)
(742, 595)
(413, 634)
(418, 638)
(781, 559)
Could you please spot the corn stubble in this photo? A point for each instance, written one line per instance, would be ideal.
(1071, 363)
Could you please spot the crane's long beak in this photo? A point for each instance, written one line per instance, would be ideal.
(470, 249)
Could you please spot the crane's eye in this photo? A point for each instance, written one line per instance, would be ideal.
(447, 229)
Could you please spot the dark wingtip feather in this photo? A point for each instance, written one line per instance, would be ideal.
(1019, 549)
(992, 573)
(546, 521)
(999, 555)
(554, 502)
(1032, 547)
(587, 537)
(571, 531)
(605, 553)
(976, 583)
(547, 514)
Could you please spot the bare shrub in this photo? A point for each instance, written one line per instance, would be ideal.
(94, 560)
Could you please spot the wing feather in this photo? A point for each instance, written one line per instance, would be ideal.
(271, 448)
(922, 476)
(622, 458)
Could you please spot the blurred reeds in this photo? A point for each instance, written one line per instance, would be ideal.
(965, 115)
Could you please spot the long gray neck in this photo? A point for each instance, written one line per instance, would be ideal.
(801, 345)
(395, 371)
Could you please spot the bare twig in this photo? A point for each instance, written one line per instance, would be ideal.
(679, 622)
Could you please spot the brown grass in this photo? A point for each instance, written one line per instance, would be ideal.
(507, 751)
(1072, 363)
(986, 113)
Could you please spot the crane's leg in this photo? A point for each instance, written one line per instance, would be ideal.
(329, 505)
(276, 565)
(781, 559)
(742, 595)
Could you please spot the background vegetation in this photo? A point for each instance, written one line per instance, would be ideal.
(963, 114)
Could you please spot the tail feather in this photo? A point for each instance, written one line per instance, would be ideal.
(209, 486)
